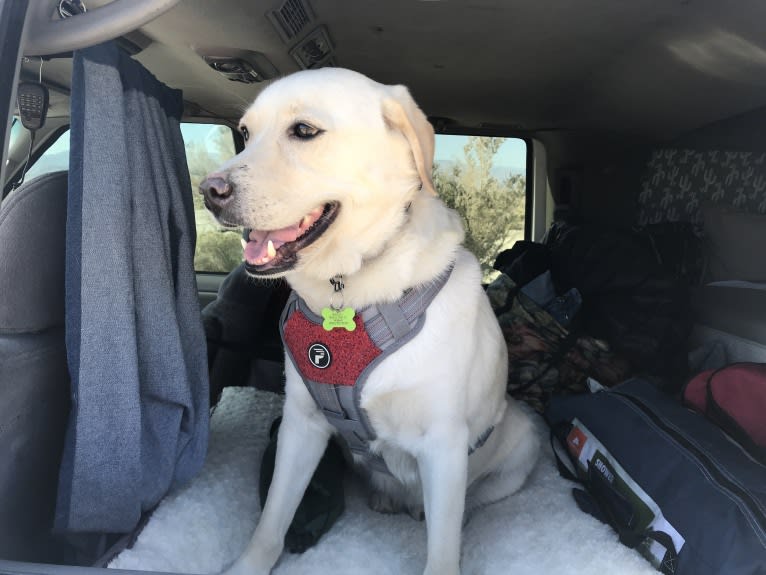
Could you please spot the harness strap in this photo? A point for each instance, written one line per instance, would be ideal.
(395, 320)
(390, 323)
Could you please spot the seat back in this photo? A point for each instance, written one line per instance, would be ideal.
(34, 380)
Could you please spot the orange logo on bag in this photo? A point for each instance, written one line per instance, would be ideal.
(575, 441)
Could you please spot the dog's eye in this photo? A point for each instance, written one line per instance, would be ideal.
(245, 133)
(304, 131)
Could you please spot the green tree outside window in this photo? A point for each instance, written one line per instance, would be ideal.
(491, 200)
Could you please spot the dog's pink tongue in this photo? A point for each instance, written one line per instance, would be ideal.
(257, 250)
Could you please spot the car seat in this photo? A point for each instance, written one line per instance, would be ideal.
(34, 380)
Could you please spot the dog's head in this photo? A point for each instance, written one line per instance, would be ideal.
(332, 160)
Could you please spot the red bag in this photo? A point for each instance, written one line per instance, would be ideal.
(734, 397)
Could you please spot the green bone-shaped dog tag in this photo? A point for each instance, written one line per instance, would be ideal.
(338, 318)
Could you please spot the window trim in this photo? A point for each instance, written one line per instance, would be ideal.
(12, 19)
(529, 206)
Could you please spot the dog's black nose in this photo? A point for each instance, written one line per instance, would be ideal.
(216, 189)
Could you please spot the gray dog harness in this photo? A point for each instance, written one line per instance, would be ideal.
(335, 364)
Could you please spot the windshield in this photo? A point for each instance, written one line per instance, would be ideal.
(16, 129)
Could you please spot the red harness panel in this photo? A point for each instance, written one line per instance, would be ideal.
(331, 357)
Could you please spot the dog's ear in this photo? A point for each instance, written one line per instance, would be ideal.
(400, 112)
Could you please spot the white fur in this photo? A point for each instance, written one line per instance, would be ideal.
(429, 401)
(202, 527)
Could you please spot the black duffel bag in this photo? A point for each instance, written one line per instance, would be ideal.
(670, 482)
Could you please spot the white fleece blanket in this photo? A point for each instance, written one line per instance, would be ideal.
(204, 526)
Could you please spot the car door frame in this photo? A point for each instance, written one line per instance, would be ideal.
(12, 22)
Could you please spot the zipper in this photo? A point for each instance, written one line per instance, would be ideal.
(746, 503)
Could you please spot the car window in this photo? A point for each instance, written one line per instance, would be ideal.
(15, 131)
(53, 159)
(219, 250)
(207, 146)
(485, 180)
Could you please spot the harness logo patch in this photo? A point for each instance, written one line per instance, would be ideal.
(319, 356)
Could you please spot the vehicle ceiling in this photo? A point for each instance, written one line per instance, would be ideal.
(654, 68)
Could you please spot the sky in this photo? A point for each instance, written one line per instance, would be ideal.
(198, 131)
(511, 155)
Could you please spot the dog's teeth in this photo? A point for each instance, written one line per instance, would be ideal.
(270, 251)
(244, 243)
(305, 221)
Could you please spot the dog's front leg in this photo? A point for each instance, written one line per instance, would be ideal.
(303, 436)
(443, 465)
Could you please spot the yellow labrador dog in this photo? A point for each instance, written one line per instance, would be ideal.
(390, 340)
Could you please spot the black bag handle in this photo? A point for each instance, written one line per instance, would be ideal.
(669, 562)
(600, 500)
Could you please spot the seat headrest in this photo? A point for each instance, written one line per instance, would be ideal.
(32, 239)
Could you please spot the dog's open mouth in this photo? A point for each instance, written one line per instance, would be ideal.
(274, 251)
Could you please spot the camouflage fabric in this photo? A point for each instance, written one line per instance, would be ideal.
(544, 358)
